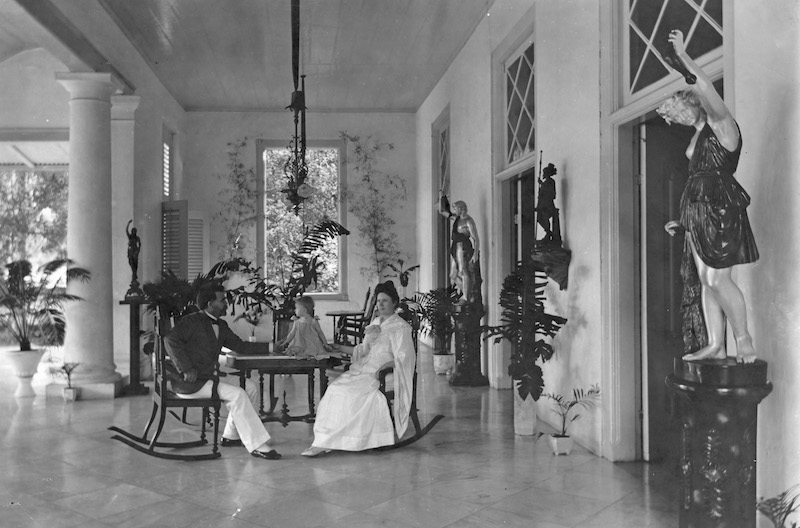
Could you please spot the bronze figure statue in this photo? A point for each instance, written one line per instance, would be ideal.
(464, 249)
(713, 216)
(134, 246)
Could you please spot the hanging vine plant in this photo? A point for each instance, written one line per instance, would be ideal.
(371, 201)
(238, 199)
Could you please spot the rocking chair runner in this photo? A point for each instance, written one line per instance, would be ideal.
(164, 400)
(388, 391)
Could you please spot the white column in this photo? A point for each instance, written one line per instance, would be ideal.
(123, 108)
(89, 323)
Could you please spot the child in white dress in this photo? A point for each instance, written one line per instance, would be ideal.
(305, 340)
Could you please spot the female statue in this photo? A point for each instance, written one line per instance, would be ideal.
(713, 211)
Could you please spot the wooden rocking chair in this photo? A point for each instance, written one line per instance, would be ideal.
(163, 401)
(388, 391)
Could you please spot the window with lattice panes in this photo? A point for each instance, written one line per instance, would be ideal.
(284, 230)
(520, 122)
(649, 23)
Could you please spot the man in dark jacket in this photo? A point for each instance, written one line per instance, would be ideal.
(194, 346)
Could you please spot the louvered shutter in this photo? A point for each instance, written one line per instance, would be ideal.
(175, 237)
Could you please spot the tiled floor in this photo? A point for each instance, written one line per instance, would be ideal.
(60, 469)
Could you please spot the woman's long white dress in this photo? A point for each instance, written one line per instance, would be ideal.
(353, 414)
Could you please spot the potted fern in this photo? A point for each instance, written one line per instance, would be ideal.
(69, 392)
(567, 410)
(436, 310)
(31, 309)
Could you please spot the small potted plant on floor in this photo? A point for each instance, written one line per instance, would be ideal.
(70, 393)
(436, 310)
(567, 410)
(31, 309)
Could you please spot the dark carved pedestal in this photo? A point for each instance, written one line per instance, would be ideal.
(467, 371)
(719, 416)
(135, 387)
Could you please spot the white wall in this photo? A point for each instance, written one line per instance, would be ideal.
(766, 77)
(31, 97)
(566, 36)
(206, 139)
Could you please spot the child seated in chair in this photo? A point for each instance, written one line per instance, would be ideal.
(305, 340)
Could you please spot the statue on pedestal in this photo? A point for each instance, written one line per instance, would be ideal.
(546, 211)
(134, 246)
(465, 273)
(464, 250)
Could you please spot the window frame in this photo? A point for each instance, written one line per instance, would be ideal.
(338, 144)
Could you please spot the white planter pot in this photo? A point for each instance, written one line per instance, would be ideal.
(24, 365)
(524, 414)
(71, 393)
(561, 445)
(443, 364)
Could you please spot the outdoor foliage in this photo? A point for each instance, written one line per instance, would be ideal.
(31, 305)
(33, 213)
(523, 321)
(371, 201)
(284, 231)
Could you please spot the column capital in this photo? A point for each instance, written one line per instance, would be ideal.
(124, 106)
(89, 85)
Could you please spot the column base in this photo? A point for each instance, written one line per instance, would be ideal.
(90, 391)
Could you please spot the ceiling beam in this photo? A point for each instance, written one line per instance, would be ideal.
(10, 135)
(21, 155)
(46, 14)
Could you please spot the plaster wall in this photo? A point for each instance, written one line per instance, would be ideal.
(566, 36)
(206, 139)
(766, 74)
(31, 96)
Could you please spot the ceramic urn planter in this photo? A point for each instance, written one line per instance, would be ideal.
(24, 365)
(71, 394)
(561, 445)
(443, 364)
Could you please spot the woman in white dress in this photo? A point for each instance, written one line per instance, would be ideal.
(353, 415)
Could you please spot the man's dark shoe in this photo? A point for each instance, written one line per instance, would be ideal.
(228, 442)
(269, 455)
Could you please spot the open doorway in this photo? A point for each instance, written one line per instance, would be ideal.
(663, 174)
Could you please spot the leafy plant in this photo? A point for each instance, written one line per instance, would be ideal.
(436, 310)
(403, 275)
(523, 320)
(778, 509)
(238, 199)
(580, 398)
(370, 201)
(306, 264)
(65, 370)
(32, 306)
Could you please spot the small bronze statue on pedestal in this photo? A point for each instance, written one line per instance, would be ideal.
(546, 211)
(134, 246)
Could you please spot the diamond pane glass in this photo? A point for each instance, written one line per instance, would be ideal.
(520, 121)
(645, 68)
(705, 39)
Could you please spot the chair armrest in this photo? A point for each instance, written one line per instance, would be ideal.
(385, 369)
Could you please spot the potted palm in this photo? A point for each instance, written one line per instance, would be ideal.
(436, 310)
(31, 310)
(525, 324)
(560, 442)
(70, 393)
